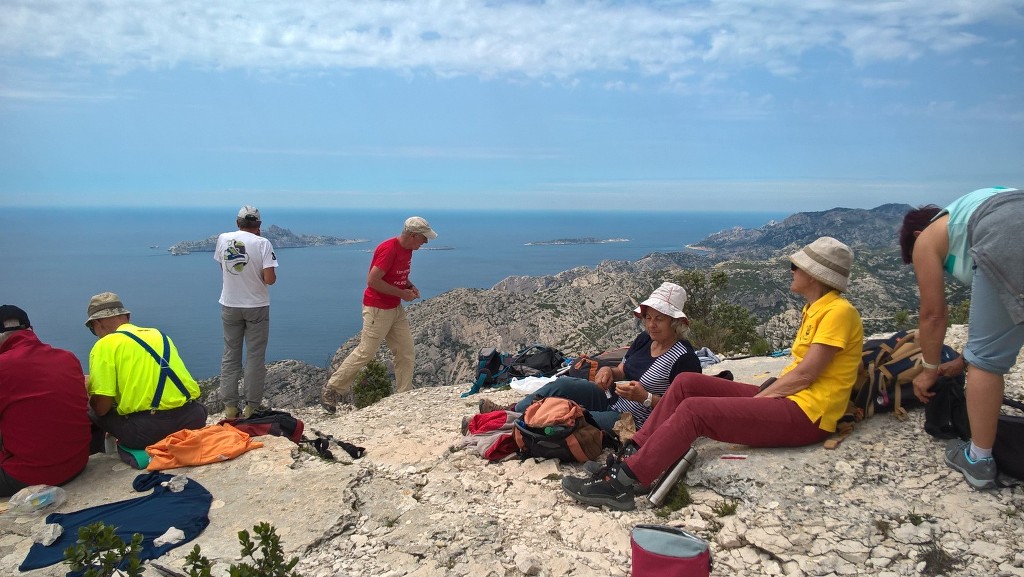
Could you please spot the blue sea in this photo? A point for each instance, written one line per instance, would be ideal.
(55, 259)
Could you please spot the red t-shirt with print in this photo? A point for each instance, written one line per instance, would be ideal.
(395, 261)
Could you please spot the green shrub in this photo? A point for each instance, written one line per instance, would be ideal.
(721, 326)
(371, 385)
(99, 551)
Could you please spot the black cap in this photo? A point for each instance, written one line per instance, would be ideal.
(13, 313)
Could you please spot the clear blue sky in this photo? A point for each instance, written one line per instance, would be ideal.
(782, 105)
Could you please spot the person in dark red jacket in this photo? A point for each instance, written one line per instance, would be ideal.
(44, 423)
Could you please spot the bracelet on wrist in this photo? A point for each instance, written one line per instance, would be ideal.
(927, 365)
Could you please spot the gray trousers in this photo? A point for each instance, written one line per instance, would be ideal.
(142, 429)
(251, 326)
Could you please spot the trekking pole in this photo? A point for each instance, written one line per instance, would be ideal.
(664, 487)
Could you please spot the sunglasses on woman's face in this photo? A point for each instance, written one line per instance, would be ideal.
(793, 267)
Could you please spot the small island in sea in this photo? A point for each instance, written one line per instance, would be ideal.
(279, 237)
(584, 240)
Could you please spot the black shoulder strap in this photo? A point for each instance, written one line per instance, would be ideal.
(165, 369)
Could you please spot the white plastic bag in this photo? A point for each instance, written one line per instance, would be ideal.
(529, 385)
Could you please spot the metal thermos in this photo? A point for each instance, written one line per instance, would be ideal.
(669, 480)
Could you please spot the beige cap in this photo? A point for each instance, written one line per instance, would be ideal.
(419, 225)
(105, 305)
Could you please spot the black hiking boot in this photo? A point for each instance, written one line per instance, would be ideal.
(616, 490)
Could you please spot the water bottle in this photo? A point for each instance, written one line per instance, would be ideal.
(669, 480)
(36, 499)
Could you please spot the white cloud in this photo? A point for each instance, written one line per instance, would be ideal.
(557, 39)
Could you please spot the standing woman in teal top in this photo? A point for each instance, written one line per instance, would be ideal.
(979, 240)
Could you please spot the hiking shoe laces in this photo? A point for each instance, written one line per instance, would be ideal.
(600, 468)
(615, 490)
(980, 474)
(329, 400)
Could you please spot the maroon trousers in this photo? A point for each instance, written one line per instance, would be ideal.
(699, 405)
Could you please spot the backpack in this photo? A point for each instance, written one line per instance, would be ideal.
(494, 368)
(269, 422)
(1008, 450)
(885, 379)
(536, 361)
(557, 428)
(945, 415)
(586, 367)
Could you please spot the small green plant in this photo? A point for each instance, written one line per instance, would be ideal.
(99, 551)
(901, 320)
(725, 508)
(959, 313)
(371, 385)
(678, 498)
(937, 561)
(916, 519)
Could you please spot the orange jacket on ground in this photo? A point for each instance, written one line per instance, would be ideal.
(187, 447)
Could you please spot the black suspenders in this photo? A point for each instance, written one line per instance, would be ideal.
(165, 369)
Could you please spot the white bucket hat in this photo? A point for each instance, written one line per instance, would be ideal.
(668, 299)
(827, 260)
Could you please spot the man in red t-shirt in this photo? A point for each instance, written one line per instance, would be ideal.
(387, 285)
(44, 423)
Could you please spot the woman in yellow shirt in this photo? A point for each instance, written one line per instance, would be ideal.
(799, 408)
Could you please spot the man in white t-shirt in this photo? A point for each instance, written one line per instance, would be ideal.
(248, 265)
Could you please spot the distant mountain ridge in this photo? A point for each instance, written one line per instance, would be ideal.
(874, 229)
(279, 237)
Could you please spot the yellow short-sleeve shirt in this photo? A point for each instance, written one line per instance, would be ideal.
(833, 321)
(120, 368)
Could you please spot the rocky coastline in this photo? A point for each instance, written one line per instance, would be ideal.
(279, 237)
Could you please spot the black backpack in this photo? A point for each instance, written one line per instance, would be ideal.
(536, 361)
(945, 415)
(557, 428)
(1008, 450)
(492, 368)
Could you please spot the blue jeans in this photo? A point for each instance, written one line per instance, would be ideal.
(993, 340)
(587, 394)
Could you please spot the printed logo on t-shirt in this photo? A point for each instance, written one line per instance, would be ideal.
(273, 255)
(235, 257)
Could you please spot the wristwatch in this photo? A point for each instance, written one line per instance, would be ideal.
(649, 400)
